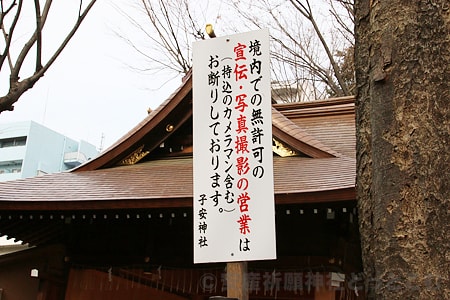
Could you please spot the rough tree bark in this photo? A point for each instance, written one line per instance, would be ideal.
(402, 59)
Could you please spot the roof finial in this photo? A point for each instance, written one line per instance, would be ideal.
(210, 30)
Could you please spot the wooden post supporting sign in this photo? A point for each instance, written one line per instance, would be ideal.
(237, 281)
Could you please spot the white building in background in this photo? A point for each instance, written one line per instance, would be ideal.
(29, 149)
(287, 92)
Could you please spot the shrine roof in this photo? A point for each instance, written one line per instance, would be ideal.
(168, 183)
(144, 169)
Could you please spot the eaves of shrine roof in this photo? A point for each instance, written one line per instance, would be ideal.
(169, 183)
(330, 121)
(298, 138)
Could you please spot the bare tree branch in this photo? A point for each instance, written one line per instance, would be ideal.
(302, 56)
(16, 86)
(163, 22)
(26, 48)
(307, 12)
(346, 23)
(306, 46)
(8, 36)
(68, 37)
(39, 26)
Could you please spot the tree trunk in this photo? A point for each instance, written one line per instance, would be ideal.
(402, 60)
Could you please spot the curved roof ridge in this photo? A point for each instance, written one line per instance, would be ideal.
(141, 129)
(283, 129)
(296, 137)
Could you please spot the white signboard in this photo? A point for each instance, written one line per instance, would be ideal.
(234, 215)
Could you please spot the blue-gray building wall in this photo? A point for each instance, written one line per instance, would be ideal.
(44, 152)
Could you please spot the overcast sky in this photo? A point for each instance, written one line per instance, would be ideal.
(90, 91)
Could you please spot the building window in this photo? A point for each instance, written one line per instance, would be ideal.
(11, 167)
(13, 142)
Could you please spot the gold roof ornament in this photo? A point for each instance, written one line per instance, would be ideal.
(210, 30)
(134, 157)
(282, 149)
